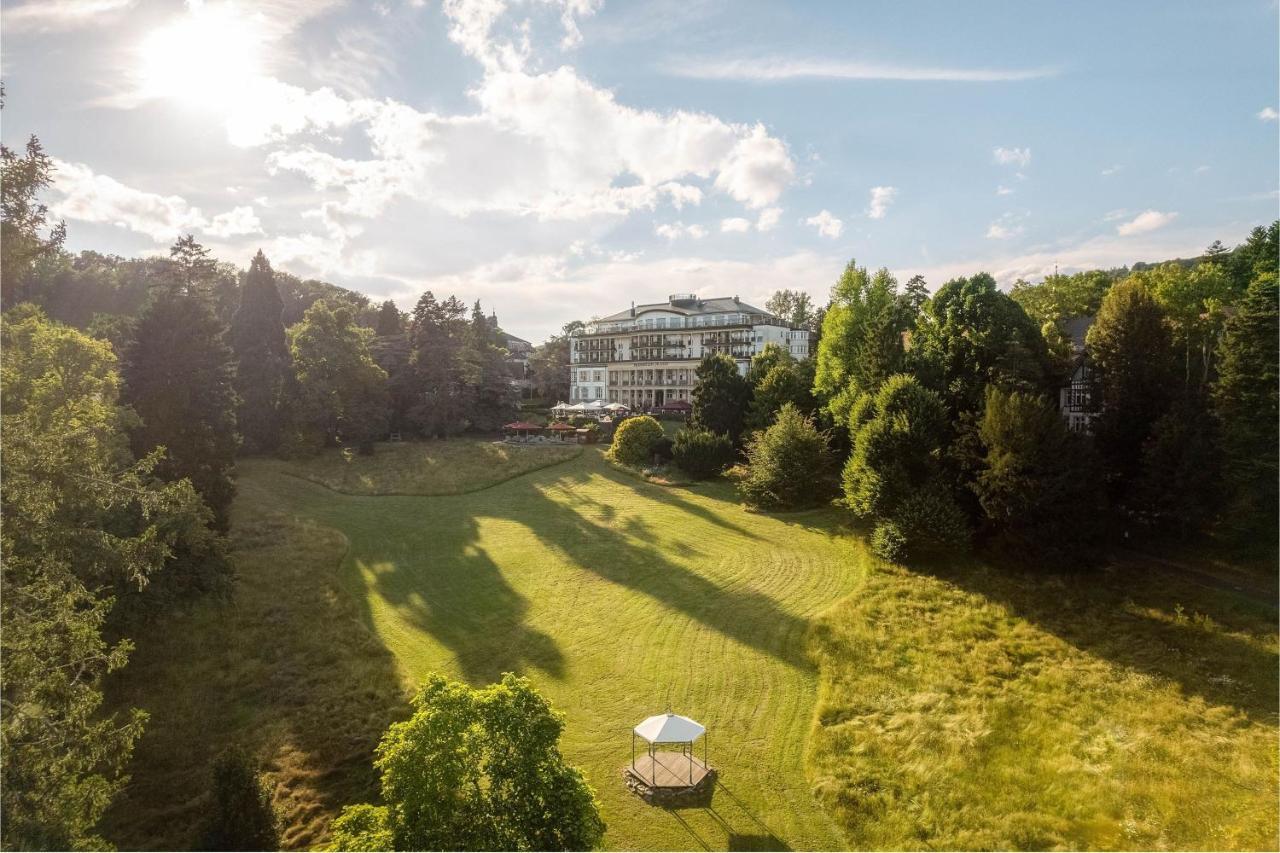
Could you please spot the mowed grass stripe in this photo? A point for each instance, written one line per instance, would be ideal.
(618, 597)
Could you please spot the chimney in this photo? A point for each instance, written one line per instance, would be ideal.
(633, 308)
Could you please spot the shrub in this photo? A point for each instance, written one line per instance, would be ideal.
(788, 464)
(701, 453)
(242, 816)
(894, 476)
(363, 827)
(634, 440)
(662, 450)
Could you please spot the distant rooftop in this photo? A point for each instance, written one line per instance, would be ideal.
(688, 305)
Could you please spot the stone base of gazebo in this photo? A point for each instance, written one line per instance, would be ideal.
(670, 779)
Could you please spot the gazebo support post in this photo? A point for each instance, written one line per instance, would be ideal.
(633, 750)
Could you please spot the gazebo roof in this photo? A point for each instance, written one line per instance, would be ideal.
(677, 406)
(670, 728)
(560, 426)
(518, 425)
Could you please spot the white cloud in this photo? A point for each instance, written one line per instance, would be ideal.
(756, 170)
(673, 231)
(768, 69)
(881, 198)
(827, 224)
(1113, 215)
(1148, 220)
(769, 218)
(1111, 170)
(1001, 231)
(1020, 157)
(1268, 114)
(1003, 190)
(49, 15)
(83, 195)
(236, 222)
(735, 224)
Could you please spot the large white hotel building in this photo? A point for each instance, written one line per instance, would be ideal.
(646, 355)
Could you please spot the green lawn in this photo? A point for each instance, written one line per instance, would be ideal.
(965, 708)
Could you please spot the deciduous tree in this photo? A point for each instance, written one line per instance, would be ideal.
(476, 769)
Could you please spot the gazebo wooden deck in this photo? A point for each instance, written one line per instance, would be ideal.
(669, 769)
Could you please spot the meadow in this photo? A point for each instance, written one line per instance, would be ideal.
(849, 703)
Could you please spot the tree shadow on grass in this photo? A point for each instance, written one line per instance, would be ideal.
(742, 829)
(1147, 620)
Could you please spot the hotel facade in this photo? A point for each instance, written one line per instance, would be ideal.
(646, 356)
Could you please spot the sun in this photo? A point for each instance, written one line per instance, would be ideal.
(209, 57)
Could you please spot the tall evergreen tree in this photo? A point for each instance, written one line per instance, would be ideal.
(1246, 404)
(262, 357)
(720, 397)
(492, 399)
(437, 336)
(389, 320)
(22, 217)
(1131, 351)
(179, 379)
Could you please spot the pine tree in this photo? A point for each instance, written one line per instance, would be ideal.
(1245, 401)
(389, 320)
(492, 397)
(437, 335)
(262, 357)
(721, 396)
(179, 379)
(1131, 351)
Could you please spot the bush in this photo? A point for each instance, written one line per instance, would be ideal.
(634, 441)
(788, 464)
(701, 453)
(894, 477)
(363, 827)
(662, 450)
(242, 817)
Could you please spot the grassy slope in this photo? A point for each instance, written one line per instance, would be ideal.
(967, 710)
(971, 709)
(618, 598)
(427, 468)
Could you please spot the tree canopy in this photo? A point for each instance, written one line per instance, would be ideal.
(475, 769)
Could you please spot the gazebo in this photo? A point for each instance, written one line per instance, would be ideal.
(665, 768)
(676, 407)
(562, 430)
(522, 428)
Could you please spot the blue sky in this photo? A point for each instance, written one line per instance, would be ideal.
(558, 158)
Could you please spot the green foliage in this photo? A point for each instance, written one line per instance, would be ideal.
(773, 355)
(1130, 348)
(794, 307)
(81, 519)
(720, 397)
(969, 336)
(178, 378)
(389, 322)
(702, 454)
(363, 827)
(479, 769)
(23, 179)
(435, 381)
(1037, 484)
(1062, 297)
(1178, 487)
(241, 816)
(1257, 256)
(549, 364)
(339, 394)
(894, 476)
(1245, 402)
(262, 357)
(787, 381)
(1193, 300)
(861, 342)
(634, 440)
(490, 398)
(788, 464)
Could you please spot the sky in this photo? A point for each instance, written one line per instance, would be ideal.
(559, 159)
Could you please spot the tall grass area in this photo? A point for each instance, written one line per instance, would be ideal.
(426, 467)
(286, 669)
(975, 709)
